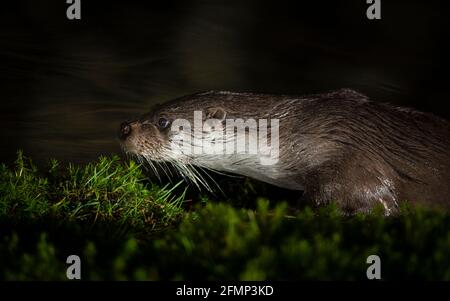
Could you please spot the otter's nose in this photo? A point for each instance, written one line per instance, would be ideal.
(125, 130)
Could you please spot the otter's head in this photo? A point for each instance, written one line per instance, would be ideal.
(213, 130)
(175, 133)
(148, 136)
(168, 132)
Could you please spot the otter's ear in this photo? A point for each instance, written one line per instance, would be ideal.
(216, 113)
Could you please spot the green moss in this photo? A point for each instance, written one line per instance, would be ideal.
(124, 228)
(103, 191)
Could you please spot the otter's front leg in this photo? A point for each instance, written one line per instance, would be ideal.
(359, 191)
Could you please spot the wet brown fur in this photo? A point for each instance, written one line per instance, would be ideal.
(337, 146)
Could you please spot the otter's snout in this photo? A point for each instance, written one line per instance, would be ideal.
(124, 130)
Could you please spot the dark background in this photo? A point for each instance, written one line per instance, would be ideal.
(66, 85)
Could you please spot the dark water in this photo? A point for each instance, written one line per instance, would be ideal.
(66, 85)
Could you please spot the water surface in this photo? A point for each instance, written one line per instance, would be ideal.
(66, 85)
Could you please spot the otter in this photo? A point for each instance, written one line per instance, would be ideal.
(337, 146)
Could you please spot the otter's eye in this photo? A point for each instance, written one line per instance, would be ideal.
(163, 122)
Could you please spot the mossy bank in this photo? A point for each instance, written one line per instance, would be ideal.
(125, 227)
